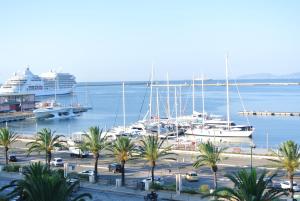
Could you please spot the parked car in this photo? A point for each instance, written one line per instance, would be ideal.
(157, 180)
(191, 176)
(57, 162)
(71, 181)
(87, 172)
(114, 167)
(286, 185)
(12, 158)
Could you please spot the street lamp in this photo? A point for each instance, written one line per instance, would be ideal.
(252, 146)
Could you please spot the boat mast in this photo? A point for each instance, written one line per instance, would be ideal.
(124, 111)
(150, 101)
(168, 97)
(193, 88)
(176, 124)
(157, 112)
(202, 86)
(227, 94)
(180, 100)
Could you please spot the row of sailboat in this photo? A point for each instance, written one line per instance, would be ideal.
(196, 125)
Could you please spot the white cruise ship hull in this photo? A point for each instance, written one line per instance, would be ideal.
(39, 92)
(219, 132)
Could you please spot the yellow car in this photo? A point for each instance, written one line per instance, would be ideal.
(192, 176)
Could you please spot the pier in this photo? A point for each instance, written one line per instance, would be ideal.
(15, 116)
(268, 113)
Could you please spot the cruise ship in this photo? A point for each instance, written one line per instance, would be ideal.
(48, 83)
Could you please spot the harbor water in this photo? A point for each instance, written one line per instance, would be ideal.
(107, 111)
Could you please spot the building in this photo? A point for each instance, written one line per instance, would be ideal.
(16, 102)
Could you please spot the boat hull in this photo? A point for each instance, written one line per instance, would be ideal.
(219, 133)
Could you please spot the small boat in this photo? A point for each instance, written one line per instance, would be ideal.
(54, 110)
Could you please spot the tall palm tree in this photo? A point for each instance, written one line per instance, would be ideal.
(210, 155)
(95, 141)
(248, 186)
(152, 150)
(42, 184)
(122, 149)
(289, 159)
(46, 141)
(7, 138)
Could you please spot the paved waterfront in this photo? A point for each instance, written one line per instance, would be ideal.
(137, 170)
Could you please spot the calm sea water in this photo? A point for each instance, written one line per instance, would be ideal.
(107, 108)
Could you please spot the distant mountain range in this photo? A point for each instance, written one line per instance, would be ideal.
(270, 76)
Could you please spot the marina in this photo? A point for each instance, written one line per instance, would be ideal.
(107, 111)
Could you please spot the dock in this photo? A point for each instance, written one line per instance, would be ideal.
(268, 113)
(15, 116)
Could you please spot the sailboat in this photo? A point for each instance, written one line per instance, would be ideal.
(222, 128)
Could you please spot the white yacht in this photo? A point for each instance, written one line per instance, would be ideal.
(219, 127)
(46, 84)
(52, 110)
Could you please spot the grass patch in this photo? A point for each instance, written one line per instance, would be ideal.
(156, 186)
(204, 189)
(12, 168)
(190, 191)
(171, 187)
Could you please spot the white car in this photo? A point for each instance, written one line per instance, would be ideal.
(87, 172)
(157, 180)
(287, 184)
(57, 162)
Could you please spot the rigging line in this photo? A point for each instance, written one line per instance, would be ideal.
(117, 111)
(144, 98)
(187, 98)
(240, 97)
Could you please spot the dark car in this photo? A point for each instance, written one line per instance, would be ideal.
(114, 167)
(12, 158)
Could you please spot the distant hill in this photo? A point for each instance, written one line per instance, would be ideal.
(270, 76)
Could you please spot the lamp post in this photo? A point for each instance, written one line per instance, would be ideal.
(252, 146)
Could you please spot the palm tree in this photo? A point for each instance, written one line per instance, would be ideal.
(289, 159)
(122, 149)
(210, 155)
(248, 186)
(95, 141)
(46, 141)
(7, 138)
(152, 150)
(42, 184)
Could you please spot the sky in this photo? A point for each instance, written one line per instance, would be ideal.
(120, 40)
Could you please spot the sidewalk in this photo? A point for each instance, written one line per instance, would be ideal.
(162, 195)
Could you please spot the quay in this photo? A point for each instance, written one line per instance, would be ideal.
(267, 113)
(15, 116)
(231, 84)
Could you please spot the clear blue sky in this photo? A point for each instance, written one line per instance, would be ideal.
(119, 40)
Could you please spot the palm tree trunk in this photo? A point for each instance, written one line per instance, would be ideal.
(123, 172)
(96, 166)
(6, 156)
(49, 156)
(215, 180)
(152, 172)
(291, 184)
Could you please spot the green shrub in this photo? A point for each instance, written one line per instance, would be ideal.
(156, 186)
(204, 188)
(189, 191)
(171, 187)
(12, 168)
